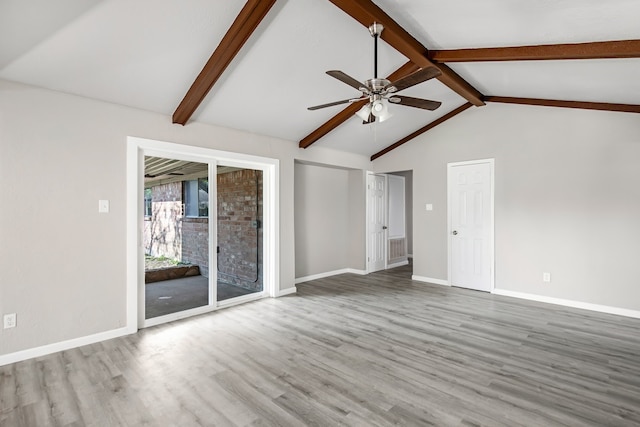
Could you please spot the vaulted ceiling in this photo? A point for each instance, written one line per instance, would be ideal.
(147, 54)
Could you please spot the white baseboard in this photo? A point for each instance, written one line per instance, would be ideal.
(329, 274)
(398, 264)
(288, 291)
(30, 353)
(430, 280)
(570, 303)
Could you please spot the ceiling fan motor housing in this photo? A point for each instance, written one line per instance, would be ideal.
(376, 86)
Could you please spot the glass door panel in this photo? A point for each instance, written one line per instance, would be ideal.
(239, 250)
(176, 239)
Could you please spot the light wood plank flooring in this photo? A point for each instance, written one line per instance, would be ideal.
(347, 350)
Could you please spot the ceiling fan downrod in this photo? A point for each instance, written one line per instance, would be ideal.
(375, 30)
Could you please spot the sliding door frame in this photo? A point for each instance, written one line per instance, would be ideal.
(137, 149)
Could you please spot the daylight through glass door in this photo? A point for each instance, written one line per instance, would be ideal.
(240, 236)
(176, 237)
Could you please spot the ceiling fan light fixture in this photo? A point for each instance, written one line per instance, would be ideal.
(380, 109)
(384, 115)
(377, 108)
(364, 112)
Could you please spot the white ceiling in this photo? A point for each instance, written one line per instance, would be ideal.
(146, 54)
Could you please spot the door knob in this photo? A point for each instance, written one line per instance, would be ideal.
(455, 233)
(384, 227)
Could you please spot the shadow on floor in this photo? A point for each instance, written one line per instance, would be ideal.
(172, 296)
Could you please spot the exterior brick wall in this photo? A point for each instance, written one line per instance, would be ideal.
(168, 232)
(240, 242)
(195, 244)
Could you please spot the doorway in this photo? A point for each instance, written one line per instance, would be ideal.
(376, 223)
(398, 208)
(192, 199)
(389, 220)
(471, 224)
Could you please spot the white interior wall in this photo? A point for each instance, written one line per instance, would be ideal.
(62, 264)
(567, 198)
(357, 219)
(329, 225)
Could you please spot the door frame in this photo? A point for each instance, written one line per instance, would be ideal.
(368, 236)
(390, 177)
(491, 163)
(137, 149)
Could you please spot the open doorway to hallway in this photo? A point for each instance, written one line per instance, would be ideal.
(402, 195)
(389, 220)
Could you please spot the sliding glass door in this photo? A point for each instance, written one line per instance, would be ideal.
(206, 224)
(176, 237)
(240, 236)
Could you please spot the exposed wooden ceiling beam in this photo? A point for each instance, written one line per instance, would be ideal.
(595, 50)
(244, 25)
(603, 106)
(422, 130)
(366, 12)
(331, 124)
(405, 70)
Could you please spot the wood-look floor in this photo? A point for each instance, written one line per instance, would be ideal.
(353, 350)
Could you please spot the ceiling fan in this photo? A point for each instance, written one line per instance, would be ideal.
(381, 91)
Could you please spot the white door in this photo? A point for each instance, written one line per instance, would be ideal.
(377, 226)
(471, 224)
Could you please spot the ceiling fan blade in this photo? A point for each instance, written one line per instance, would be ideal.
(344, 78)
(330, 104)
(414, 79)
(425, 104)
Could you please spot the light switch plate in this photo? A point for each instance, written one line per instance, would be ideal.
(429, 207)
(103, 206)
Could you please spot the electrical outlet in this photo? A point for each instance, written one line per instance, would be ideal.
(546, 277)
(9, 320)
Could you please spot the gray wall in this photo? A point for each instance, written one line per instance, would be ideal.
(357, 219)
(329, 219)
(567, 198)
(62, 264)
